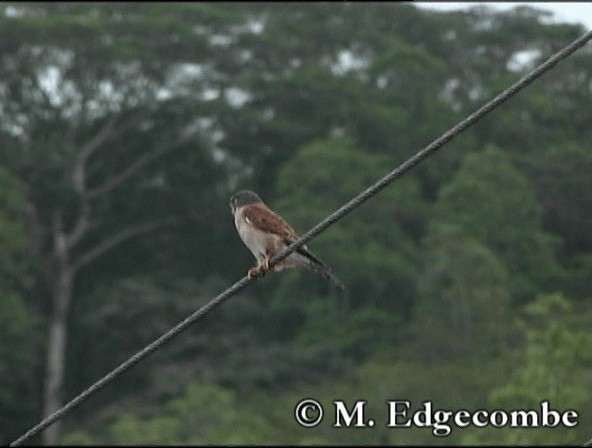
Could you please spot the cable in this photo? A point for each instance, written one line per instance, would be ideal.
(320, 227)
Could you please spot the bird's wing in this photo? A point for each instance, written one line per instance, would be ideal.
(264, 219)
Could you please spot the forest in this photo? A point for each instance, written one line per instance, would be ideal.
(126, 127)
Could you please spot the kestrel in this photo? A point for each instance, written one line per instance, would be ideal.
(265, 233)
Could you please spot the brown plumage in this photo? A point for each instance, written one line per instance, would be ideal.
(265, 233)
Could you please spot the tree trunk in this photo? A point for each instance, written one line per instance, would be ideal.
(56, 354)
(61, 291)
(59, 270)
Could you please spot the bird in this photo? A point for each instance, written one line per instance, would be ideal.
(266, 233)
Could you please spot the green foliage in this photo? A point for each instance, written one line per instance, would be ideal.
(362, 332)
(494, 203)
(208, 414)
(563, 172)
(380, 266)
(18, 350)
(19, 341)
(554, 367)
(220, 350)
(14, 243)
(379, 242)
(463, 301)
(307, 104)
(205, 414)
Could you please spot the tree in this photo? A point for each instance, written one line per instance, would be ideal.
(14, 267)
(19, 332)
(494, 203)
(463, 300)
(553, 367)
(88, 105)
(203, 414)
(19, 327)
(560, 175)
(127, 127)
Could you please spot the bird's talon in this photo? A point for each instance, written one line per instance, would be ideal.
(255, 272)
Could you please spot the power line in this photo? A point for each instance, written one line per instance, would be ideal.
(320, 227)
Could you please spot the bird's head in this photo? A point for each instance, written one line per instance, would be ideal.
(243, 197)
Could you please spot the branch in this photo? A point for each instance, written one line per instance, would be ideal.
(120, 177)
(116, 239)
(60, 243)
(89, 148)
(79, 172)
(133, 168)
(76, 121)
(80, 227)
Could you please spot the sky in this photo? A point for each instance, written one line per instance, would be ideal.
(571, 12)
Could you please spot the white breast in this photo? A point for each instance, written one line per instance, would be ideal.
(254, 239)
(260, 242)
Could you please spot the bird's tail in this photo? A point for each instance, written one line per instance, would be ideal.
(318, 267)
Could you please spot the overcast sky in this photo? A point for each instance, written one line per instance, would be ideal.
(576, 12)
